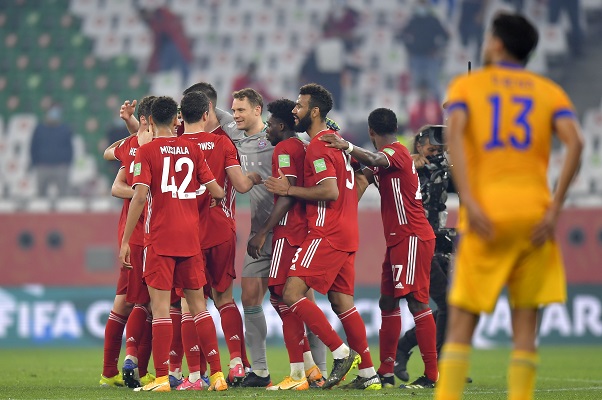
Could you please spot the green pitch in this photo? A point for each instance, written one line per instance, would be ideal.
(564, 373)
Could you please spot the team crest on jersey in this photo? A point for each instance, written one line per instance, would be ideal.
(284, 160)
(389, 151)
(319, 165)
(262, 143)
(137, 169)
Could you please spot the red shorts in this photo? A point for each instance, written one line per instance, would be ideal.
(219, 264)
(407, 269)
(324, 268)
(282, 254)
(137, 292)
(167, 272)
(122, 282)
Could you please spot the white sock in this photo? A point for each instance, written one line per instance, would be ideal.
(177, 373)
(367, 372)
(134, 359)
(235, 361)
(194, 376)
(341, 352)
(261, 372)
(308, 360)
(297, 371)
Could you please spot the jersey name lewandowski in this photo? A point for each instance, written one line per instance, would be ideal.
(336, 221)
(174, 169)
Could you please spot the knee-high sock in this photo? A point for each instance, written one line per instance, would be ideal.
(293, 331)
(243, 347)
(146, 346)
(389, 332)
(454, 369)
(356, 335)
(205, 329)
(317, 322)
(162, 337)
(134, 330)
(427, 342)
(112, 344)
(256, 331)
(190, 341)
(521, 375)
(176, 351)
(318, 350)
(233, 329)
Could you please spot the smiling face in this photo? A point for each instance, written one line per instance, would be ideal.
(245, 114)
(302, 113)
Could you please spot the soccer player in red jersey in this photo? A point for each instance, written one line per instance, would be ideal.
(289, 225)
(169, 173)
(325, 260)
(219, 243)
(138, 326)
(410, 243)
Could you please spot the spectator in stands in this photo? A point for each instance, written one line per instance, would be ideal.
(250, 79)
(342, 22)
(426, 110)
(425, 39)
(573, 9)
(52, 153)
(171, 46)
(472, 16)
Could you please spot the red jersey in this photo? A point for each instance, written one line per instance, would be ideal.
(289, 156)
(174, 169)
(220, 154)
(334, 220)
(126, 152)
(400, 198)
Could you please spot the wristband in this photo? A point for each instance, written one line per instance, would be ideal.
(349, 149)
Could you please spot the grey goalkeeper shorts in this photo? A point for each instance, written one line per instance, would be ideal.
(259, 268)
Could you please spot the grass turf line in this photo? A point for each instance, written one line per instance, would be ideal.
(65, 373)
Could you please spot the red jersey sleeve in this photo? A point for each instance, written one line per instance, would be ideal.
(142, 168)
(285, 155)
(122, 149)
(393, 156)
(321, 162)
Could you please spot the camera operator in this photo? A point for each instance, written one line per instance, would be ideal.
(433, 172)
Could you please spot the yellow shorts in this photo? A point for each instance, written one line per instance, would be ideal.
(534, 275)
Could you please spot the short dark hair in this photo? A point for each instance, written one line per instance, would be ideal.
(319, 97)
(193, 106)
(251, 94)
(206, 88)
(518, 35)
(383, 121)
(144, 107)
(282, 109)
(164, 110)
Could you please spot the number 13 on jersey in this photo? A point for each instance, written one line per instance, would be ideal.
(519, 136)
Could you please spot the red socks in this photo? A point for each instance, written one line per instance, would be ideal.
(390, 329)
(232, 327)
(162, 338)
(317, 322)
(190, 341)
(112, 345)
(145, 347)
(293, 331)
(134, 330)
(205, 329)
(426, 332)
(176, 351)
(356, 335)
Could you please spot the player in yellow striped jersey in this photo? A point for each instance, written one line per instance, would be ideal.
(500, 126)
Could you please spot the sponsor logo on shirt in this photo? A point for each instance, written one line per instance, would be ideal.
(284, 160)
(319, 165)
(389, 151)
(137, 169)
